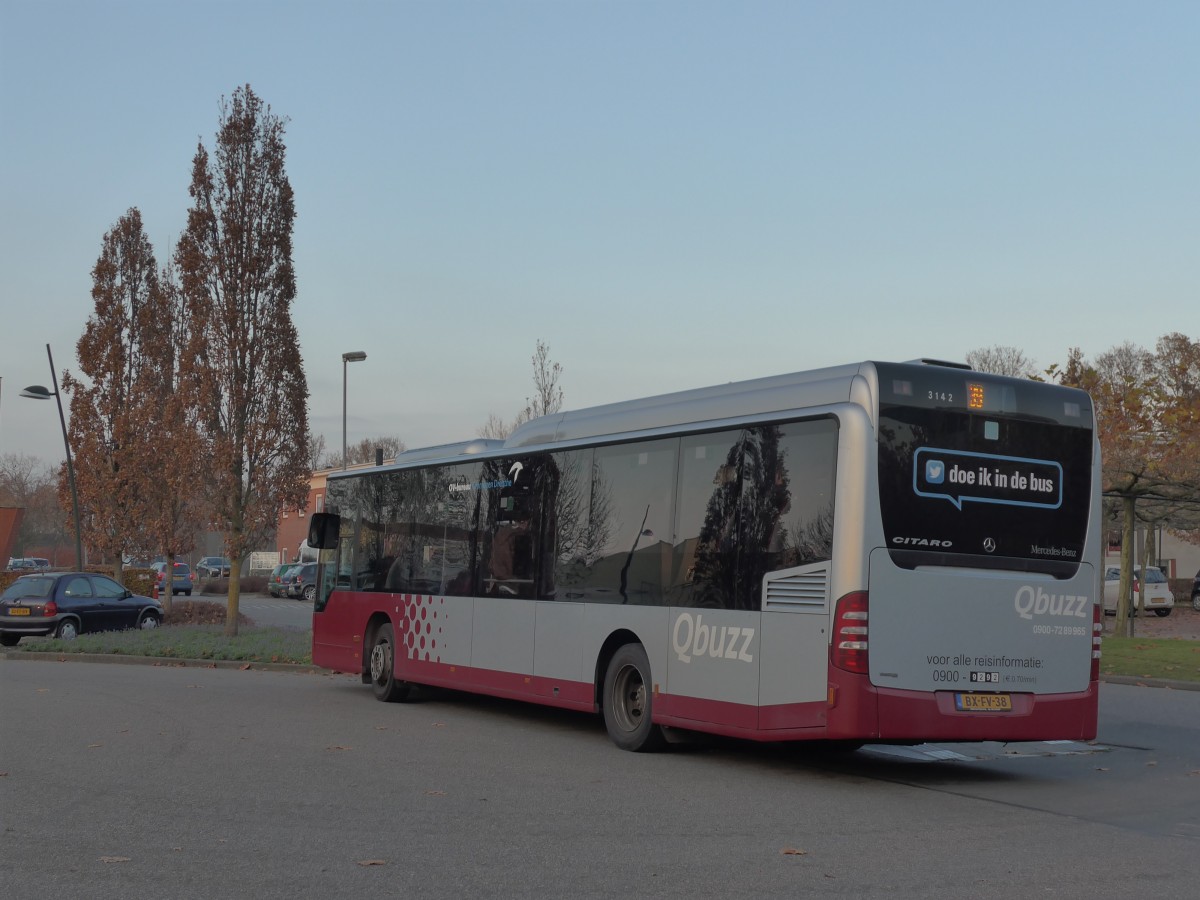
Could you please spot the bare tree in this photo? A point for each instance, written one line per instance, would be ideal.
(316, 452)
(365, 450)
(114, 416)
(26, 482)
(235, 265)
(1000, 360)
(548, 396)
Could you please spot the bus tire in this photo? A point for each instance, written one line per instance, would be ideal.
(382, 668)
(628, 701)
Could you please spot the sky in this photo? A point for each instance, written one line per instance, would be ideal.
(669, 194)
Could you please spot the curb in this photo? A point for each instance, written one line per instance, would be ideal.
(164, 662)
(302, 669)
(1151, 682)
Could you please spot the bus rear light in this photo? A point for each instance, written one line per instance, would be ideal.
(1097, 632)
(849, 650)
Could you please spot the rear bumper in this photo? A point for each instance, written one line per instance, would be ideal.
(864, 712)
(35, 626)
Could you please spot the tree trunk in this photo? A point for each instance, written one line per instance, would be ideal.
(168, 592)
(1124, 624)
(235, 591)
(1147, 561)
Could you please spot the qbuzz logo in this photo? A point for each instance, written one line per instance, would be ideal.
(693, 638)
(1032, 601)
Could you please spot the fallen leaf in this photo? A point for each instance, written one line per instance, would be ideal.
(1101, 769)
(245, 667)
(339, 747)
(1152, 763)
(113, 859)
(94, 746)
(435, 793)
(372, 862)
(792, 851)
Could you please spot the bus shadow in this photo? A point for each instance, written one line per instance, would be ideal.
(923, 765)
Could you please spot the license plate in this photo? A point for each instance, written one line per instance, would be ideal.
(983, 702)
(18, 610)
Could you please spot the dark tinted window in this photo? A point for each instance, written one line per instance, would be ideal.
(106, 587)
(78, 586)
(629, 537)
(751, 502)
(704, 558)
(984, 489)
(569, 538)
(29, 587)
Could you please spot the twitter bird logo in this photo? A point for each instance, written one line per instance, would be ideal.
(935, 471)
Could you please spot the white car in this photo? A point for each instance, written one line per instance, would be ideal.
(1158, 593)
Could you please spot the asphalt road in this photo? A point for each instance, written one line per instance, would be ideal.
(159, 781)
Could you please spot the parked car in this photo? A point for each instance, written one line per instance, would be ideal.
(302, 582)
(1196, 593)
(70, 603)
(1158, 593)
(213, 567)
(182, 578)
(28, 564)
(277, 581)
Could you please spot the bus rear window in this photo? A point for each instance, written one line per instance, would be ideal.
(962, 486)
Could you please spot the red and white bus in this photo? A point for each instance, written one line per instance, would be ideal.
(878, 552)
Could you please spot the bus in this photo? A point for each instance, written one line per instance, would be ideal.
(870, 553)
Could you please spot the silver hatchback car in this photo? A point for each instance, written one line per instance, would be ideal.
(1158, 593)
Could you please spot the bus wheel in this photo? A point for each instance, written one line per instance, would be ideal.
(628, 701)
(383, 668)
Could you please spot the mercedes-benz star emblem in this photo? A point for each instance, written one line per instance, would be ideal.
(989, 545)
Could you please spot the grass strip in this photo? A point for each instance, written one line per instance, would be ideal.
(252, 644)
(1170, 658)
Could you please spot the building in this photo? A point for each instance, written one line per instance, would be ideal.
(293, 523)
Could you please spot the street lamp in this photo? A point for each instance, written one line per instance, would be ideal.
(38, 392)
(352, 356)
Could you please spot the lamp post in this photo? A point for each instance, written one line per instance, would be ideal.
(38, 392)
(352, 356)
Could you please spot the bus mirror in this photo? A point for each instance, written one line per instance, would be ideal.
(323, 529)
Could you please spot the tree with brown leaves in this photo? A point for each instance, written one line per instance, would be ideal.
(1148, 420)
(114, 415)
(238, 281)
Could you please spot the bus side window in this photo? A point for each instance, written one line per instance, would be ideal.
(630, 522)
(705, 554)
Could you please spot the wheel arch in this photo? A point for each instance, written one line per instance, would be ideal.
(612, 643)
(374, 623)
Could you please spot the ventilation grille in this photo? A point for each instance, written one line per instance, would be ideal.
(804, 590)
